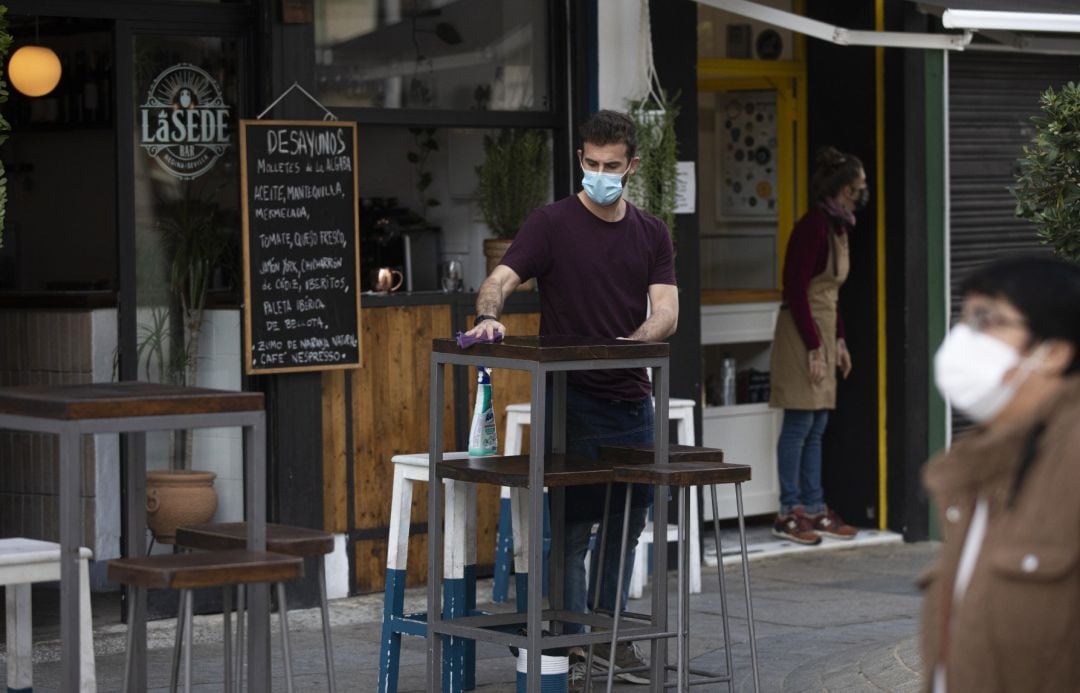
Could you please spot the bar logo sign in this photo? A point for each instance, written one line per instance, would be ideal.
(184, 122)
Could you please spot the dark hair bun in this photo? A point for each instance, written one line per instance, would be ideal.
(829, 157)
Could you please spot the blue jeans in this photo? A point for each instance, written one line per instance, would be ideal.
(799, 460)
(591, 423)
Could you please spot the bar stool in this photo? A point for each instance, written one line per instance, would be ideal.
(682, 412)
(517, 418)
(22, 563)
(284, 539)
(459, 587)
(688, 468)
(188, 571)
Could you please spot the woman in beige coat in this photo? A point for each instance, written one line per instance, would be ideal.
(1002, 606)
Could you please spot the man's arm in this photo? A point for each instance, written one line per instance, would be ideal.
(661, 323)
(489, 301)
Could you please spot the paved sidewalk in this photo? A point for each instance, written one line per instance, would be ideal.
(838, 618)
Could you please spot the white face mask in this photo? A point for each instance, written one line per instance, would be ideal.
(969, 369)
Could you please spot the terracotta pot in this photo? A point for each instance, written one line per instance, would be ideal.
(494, 249)
(176, 498)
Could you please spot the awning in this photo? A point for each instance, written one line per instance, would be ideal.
(1034, 26)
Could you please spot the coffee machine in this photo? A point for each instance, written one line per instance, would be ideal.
(396, 237)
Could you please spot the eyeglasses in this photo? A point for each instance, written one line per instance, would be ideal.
(982, 319)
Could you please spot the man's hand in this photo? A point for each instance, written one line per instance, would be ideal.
(817, 365)
(843, 358)
(487, 329)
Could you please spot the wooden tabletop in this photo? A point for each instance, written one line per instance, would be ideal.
(549, 349)
(559, 470)
(122, 400)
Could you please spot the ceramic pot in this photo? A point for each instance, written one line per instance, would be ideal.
(177, 498)
(494, 249)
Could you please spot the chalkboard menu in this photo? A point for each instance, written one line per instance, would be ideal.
(301, 245)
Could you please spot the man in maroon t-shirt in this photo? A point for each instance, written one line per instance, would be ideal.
(600, 262)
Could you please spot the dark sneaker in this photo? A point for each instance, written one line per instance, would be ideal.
(626, 657)
(575, 678)
(831, 525)
(796, 527)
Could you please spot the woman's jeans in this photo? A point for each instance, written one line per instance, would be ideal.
(799, 460)
(591, 423)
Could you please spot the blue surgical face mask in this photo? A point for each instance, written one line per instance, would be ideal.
(602, 188)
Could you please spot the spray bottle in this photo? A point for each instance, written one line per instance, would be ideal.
(482, 437)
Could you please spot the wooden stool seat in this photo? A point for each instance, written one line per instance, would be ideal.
(286, 539)
(183, 571)
(513, 471)
(681, 474)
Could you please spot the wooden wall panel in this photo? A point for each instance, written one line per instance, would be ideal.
(390, 417)
(335, 457)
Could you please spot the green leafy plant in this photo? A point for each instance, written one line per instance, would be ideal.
(424, 144)
(1048, 184)
(513, 180)
(5, 127)
(653, 187)
(198, 238)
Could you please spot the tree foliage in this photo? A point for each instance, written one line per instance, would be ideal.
(1048, 184)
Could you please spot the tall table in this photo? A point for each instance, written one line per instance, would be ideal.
(540, 356)
(71, 411)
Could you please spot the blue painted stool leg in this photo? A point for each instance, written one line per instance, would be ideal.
(521, 588)
(390, 649)
(504, 553)
(470, 645)
(454, 606)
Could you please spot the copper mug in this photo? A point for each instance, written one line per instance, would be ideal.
(386, 280)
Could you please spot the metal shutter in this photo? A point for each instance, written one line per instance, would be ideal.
(992, 97)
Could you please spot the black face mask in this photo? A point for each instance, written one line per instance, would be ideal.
(862, 198)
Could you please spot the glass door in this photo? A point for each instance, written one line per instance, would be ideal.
(184, 260)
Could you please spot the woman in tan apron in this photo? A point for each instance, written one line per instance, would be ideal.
(809, 347)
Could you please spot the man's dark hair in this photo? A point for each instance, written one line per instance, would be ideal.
(609, 127)
(1045, 290)
(833, 170)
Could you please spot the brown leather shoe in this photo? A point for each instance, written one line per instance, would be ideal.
(796, 526)
(830, 524)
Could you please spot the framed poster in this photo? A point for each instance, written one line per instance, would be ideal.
(746, 155)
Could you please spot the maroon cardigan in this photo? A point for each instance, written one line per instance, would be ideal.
(807, 256)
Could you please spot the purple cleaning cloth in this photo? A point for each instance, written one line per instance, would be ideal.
(466, 340)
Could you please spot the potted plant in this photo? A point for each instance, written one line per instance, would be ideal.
(198, 241)
(511, 183)
(654, 185)
(1047, 193)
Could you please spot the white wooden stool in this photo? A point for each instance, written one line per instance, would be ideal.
(459, 584)
(22, 563)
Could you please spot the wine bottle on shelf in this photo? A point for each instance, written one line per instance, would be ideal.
(90, 95)
(63, 93)
(78, 106)
(104, 81)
